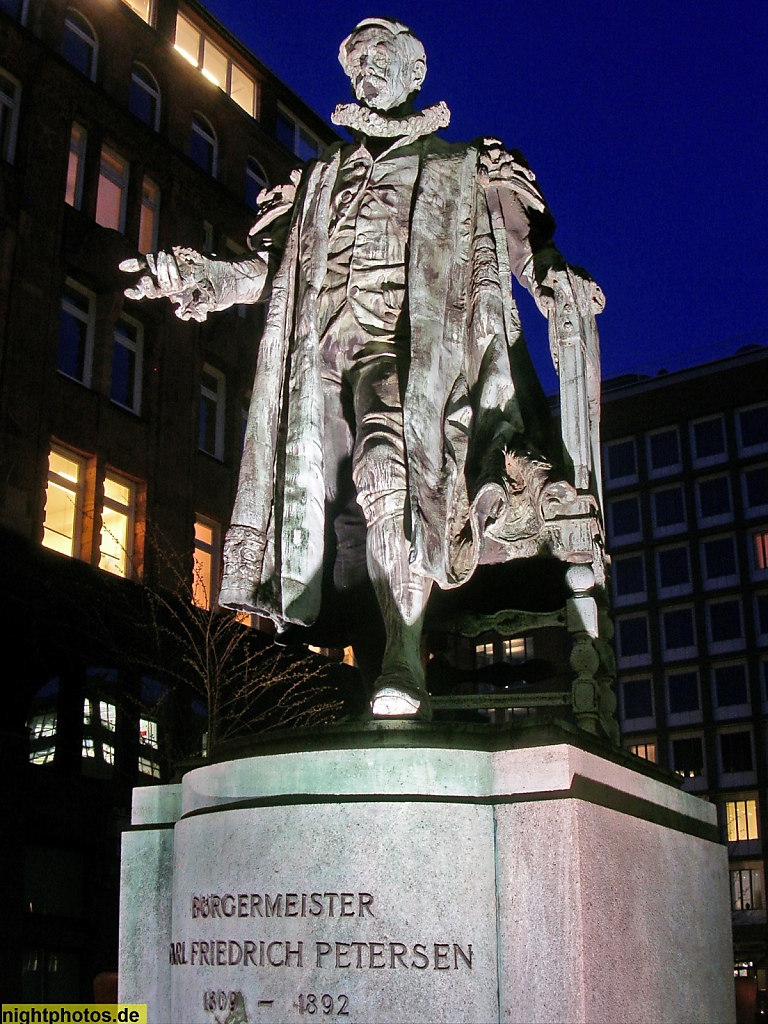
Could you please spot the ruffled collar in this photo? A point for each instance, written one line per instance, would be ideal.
(379, 126)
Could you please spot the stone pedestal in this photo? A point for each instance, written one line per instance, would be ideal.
(383, 883)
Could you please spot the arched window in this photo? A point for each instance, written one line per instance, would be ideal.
(79, 44)
(255, 181)
(203, 147)
(144, 99)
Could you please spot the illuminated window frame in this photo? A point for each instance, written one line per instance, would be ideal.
(144, 9)
(114, 171)
(741, 820)
(118, 524)
(205, 571)
(66, 543)
(203, 53)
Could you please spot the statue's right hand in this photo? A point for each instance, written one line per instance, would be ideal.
(164, 280)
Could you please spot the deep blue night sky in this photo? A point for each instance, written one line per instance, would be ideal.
(646, 124)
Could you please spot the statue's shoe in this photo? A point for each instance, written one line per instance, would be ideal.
(393, 702)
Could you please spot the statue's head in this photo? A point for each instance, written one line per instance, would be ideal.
(385, 62)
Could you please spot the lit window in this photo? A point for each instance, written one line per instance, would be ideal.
(755, 485)
(75, 166)
(513, 651)
(708, 438)
(79, 44)
(483, 655)
(718, 556)
(144, 100)
(113, 188)
(148, 732)
(730, 685)
(741, 820)
(679, 633)
(107, 715)
(673, 568)
(188, 40)
(725, 623)
(76, 329)
(628, 573)
(632, 639)
(215, 65)
(43, 726)
(63, 503)
(117, 520)
(747, 889)
(203, 147)
(10, 93)
(206, 563)
(296, 136)
(242, 89)
(255, 182)
(108, 753)
(752, 426)
(760, 549)
(150, 216)
(621, 461)
(211, 423)
(663, 451)
(636, 699)
(645, 750)
(142, 7)
(149, 767)
(683, 692)
(127, 357)
(713, 499)
(43, 755)
(688, 756)
(625, 522)
(736, 752)
(668, 508)
(88, 747)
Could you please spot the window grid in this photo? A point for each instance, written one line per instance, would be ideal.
(741, 820)
(295, 135)
(63, 503)
(203, 145)
(215, 65)
(206, 562)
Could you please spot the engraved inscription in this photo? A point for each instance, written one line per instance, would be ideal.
(283, 904)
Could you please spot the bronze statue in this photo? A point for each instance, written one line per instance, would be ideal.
(396, 427)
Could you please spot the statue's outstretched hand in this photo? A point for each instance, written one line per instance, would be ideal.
(180, 275)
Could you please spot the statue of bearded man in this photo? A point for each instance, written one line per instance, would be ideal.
(397, 432)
